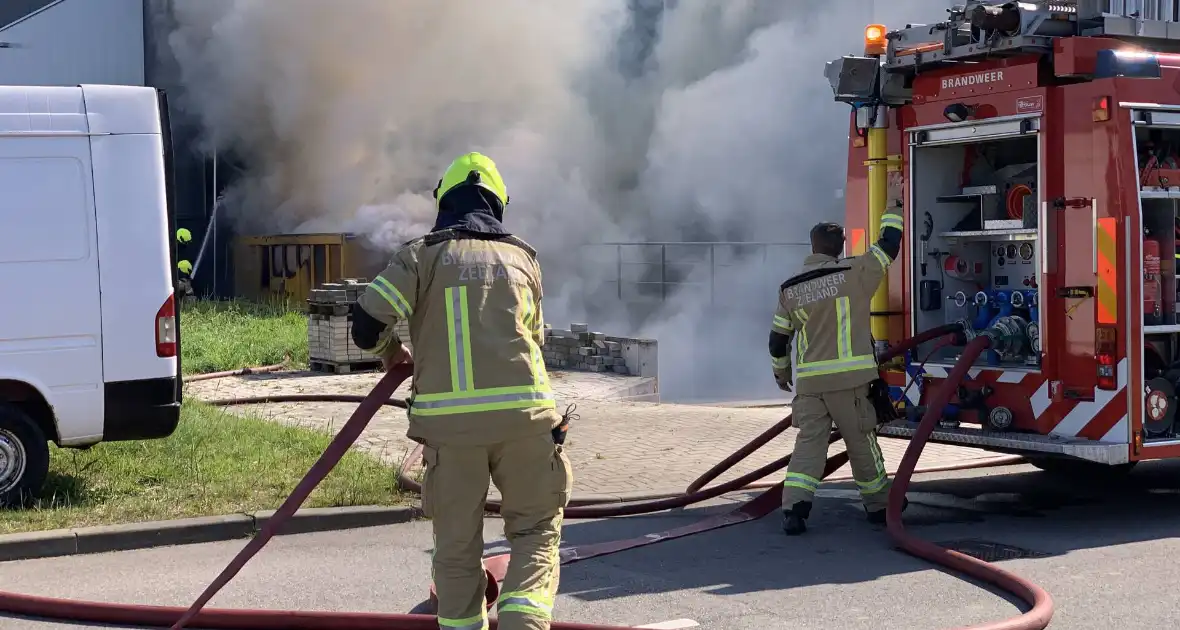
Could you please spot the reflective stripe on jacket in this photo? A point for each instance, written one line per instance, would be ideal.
(476, 325)
(826, 308)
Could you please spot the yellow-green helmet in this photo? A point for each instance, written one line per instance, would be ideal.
(185, 267)
(183, 235)
(476, 169)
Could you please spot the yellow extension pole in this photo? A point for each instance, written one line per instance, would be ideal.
(878, 191)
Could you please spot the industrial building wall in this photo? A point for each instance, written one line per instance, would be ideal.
(198, 179)
(68, 42)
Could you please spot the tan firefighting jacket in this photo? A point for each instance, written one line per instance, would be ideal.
(475, 320)
(826, 310)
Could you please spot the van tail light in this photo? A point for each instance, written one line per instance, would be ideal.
(1106, 344)
(166, 328)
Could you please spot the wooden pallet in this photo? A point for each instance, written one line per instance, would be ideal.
(334, 367)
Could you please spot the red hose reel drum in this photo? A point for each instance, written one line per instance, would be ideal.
(1014, 204)
(1159, 406)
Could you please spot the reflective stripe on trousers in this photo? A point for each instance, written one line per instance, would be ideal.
(878, 483)
(799, 480)
(471, 623)
(532, 604)
(464, 397)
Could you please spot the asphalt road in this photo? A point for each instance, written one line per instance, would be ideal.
(1106, 551)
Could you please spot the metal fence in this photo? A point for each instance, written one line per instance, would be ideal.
(652, 272)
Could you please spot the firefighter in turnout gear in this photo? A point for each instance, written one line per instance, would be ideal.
(481, 403)
(824, 310)
(184, 267)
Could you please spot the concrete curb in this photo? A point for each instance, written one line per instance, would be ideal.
(187, 531)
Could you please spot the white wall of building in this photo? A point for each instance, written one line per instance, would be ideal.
(76, 41)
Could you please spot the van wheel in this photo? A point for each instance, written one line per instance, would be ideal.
(24, 457)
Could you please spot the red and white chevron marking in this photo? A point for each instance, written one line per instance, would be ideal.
(1104, 419)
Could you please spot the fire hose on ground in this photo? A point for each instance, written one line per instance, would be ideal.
(197, 616)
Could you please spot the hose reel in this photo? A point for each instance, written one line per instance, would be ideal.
(1159, 407)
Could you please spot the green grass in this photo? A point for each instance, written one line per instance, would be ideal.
(215, 463)
(219, 336)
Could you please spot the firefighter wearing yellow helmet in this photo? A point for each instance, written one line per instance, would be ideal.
(184, 237)
(481, 404)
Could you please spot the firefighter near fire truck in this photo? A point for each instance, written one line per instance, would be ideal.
(481, 403)
(824, 310)
(1032, 148)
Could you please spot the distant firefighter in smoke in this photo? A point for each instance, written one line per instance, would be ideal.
(825, 311)
(481, 403)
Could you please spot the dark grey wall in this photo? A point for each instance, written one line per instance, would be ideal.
(68, 42)
(195, 188)
(13, 10)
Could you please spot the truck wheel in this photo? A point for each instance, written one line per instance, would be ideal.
(24, 457)
(1080, 469)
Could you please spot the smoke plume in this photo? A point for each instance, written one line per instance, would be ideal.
(611, 120)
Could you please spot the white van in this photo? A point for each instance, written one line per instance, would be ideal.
(89, 334)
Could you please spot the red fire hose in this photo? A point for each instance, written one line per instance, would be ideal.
(198, 616)
(1042, 603)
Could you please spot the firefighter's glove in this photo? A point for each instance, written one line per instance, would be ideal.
(879, 397)
(560, 431)
(785, 379)
(393, 358)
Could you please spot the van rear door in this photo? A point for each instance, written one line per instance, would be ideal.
(51, 323)
(134, 236)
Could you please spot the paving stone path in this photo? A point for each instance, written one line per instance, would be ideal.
(616, 447)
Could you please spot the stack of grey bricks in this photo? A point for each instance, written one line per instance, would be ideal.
(329, 327)
(580, 349)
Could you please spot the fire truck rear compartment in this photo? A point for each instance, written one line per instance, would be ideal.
(1158, 161)
(974, 246)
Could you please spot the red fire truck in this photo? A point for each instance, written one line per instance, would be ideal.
(1033, 149)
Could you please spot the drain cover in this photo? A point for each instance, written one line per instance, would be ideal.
(990, 551)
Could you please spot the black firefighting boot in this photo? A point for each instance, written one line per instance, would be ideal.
(795, 519)
(878, 517)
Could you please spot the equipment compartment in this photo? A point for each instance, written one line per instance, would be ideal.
(1159, 262)
(1157, 151)
(974, 245)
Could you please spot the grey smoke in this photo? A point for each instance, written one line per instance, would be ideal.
(611, 120)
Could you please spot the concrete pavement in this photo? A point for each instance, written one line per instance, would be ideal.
(616, 447)
(1107, 554)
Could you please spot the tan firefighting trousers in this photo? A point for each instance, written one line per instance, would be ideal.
(856, 419)
(535, 480)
